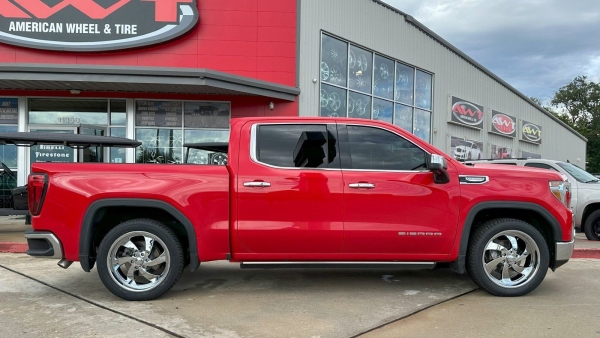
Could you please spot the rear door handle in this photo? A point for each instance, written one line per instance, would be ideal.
(257, 184)
(361, 185)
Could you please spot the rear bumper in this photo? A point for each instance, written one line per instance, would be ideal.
(43, 244)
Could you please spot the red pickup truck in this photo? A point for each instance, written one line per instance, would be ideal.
(306, 193)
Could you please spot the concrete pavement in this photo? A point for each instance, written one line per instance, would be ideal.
(219, 300)
(566, 304)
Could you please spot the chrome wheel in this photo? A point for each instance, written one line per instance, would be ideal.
(138, 261)
(511, 259)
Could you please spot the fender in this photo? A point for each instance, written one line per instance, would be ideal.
(459, 264)
(87, 230)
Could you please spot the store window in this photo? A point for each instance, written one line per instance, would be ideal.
(164, 127)
(378, 149)
(359, 83)
(9, 113)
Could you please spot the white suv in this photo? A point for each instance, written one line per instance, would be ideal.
(585, 200)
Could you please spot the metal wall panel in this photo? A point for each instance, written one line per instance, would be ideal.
(369, 24)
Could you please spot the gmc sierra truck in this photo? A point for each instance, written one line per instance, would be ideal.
(305, 193)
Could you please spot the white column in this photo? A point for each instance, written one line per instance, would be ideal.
(22, 163)
(130, 153)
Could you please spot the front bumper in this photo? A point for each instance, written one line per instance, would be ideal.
(43, 244)
(563, 252)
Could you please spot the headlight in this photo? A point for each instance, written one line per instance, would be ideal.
(562, 191)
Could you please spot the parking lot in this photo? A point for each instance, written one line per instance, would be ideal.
(221, 300)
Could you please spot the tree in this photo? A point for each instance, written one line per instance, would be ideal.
(579, 104)
(580, 100)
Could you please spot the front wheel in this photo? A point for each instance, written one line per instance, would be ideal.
(140, 259)
(592, 226)
(507, 257)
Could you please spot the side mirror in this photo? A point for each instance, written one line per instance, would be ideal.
(437, 165)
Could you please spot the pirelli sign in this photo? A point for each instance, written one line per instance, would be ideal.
(94, 25)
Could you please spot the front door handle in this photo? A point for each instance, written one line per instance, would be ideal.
(361, 185)
(257, 184)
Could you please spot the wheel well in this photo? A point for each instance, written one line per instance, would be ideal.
(587, 212)
(107, 218)
(532, 217)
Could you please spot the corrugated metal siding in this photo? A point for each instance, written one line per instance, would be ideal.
(368, 24)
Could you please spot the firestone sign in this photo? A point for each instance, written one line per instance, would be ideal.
(466, 113)
(94, 25)
(503, 124)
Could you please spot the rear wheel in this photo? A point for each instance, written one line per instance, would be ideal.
(592, 226)
(140, 259)
(507, 257)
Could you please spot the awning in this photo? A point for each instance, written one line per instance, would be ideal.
(28, 139)
(21, 76)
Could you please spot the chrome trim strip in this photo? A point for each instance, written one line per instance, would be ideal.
(338, 263)
(51, 238)
(254, 157)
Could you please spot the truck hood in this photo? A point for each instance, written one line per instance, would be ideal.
(520, 172)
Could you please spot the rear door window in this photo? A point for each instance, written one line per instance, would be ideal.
(297, 145)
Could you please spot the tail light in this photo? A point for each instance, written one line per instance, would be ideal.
(36, 189)
(562, 191)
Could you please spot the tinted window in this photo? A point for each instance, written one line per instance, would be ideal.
(540, 165)
(296, 146)
(378, 149)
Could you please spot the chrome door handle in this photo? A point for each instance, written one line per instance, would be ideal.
(361, 185)
(257, 184)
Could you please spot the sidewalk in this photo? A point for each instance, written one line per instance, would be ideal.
(12, 229)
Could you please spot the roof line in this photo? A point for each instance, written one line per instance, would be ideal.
(411, 20)
(156, 72)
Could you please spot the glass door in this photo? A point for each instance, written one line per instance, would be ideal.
(92, 154)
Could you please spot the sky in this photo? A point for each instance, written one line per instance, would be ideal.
(537, 46)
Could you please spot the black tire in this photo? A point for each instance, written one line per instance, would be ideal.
(592, 226)
(525, 234)
(137, 232)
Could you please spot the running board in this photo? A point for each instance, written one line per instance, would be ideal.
(337, 265)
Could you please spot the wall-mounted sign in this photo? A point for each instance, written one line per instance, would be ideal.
(9, 111)
(158, 114)
(466, 113)
(503, 124)
(94, 25)
(531, 132)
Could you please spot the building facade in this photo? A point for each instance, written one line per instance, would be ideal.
(170, 72)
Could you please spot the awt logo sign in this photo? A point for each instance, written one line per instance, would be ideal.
(466, 113)
(503, 124)
(94, 25)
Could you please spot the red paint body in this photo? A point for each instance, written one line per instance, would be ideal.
(306, 214)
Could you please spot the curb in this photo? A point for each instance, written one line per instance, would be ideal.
(19, 247)
(13, 247)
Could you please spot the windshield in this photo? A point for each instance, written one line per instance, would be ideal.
(578, 173)
(465, 144)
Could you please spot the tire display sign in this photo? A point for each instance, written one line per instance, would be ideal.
(466, 113)
(531, 132)
(9, 110)
(94, 25)
(158, 114)
(503, 124)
